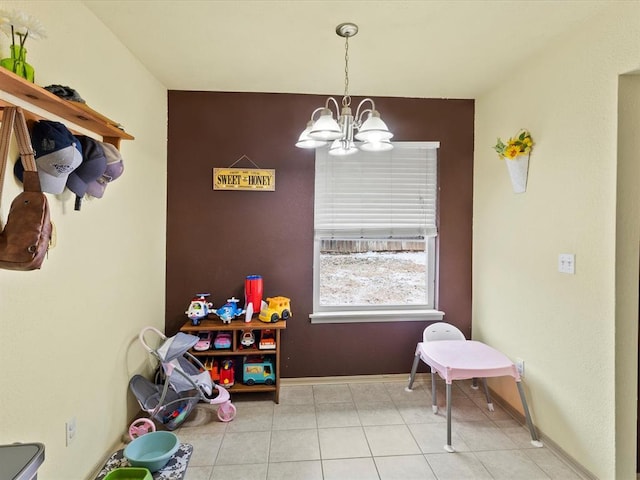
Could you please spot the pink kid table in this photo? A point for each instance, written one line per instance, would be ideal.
(464, 359)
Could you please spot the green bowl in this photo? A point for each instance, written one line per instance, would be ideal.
(152, 450)
(129, 473)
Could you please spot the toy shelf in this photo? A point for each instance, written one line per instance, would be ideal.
(236, 327)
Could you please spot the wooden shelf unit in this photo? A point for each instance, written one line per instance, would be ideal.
(236, 327)
(40, 104)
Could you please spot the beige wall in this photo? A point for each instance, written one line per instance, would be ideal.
(565, 326)
(68, 332)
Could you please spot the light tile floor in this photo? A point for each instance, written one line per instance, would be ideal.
(364, 431)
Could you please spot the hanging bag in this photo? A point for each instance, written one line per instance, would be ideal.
(24, 241)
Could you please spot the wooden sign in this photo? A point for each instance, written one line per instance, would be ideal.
(244, 179)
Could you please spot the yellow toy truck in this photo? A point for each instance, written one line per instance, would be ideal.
(275, 309)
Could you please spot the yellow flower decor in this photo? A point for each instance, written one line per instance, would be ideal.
(519, 145)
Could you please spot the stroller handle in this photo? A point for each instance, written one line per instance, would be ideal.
(145, 330)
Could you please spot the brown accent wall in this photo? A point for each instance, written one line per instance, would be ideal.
(216, 238)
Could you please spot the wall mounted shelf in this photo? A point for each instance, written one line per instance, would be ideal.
(40, 104)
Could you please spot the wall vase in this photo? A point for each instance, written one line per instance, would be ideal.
(18, 63)
(518, 170)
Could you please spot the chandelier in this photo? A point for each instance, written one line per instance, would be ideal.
(322, 129)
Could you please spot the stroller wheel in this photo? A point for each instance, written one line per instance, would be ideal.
(141, 426)
(227, 412)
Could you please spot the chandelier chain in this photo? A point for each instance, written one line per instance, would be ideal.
(346, 99)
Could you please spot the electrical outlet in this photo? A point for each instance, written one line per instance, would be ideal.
(71, 428)
(567, 263)
(520, 366)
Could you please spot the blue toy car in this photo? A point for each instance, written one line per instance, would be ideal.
(256, 370)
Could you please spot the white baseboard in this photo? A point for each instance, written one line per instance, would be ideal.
(394, 377)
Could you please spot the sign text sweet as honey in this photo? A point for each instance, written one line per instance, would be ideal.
(244, 179)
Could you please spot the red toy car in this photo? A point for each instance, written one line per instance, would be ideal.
(267, 340)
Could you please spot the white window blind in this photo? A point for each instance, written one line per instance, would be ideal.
(377, 194)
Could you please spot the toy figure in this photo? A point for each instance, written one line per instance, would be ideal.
(198, 308)
(229, 310)
(227, 374)
(247, 340)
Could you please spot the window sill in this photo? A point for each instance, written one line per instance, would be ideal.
(380, 316)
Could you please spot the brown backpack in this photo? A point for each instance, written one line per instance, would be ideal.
(24, 241)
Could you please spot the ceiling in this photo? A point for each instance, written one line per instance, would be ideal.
(418, 48)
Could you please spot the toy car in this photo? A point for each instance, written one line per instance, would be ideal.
(267, 340)
(204, 343)
(223, 340)
(198, 308)
(248, 338)
(258, 370)
(276, 308)
(229, 310)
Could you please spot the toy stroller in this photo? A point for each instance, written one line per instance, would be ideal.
(186, 383)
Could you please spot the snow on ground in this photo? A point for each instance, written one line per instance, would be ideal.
(388, 278)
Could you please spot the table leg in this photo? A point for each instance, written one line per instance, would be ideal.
(534, 437)
(434, 397)
(414, 368)
(448, 446)
(486, 393)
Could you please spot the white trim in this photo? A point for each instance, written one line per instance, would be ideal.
(346, 379)
(377, 316)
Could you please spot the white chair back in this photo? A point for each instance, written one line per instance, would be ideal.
(442, 331)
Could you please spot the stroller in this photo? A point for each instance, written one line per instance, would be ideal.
(182, 383)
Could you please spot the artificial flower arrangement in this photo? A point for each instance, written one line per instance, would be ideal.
(16, 23)
(519, 145)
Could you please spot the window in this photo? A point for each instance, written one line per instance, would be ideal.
(374, 235)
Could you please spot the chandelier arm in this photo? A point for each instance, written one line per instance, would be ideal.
(335, 102)
(313, 114)
(359, 118)
(358, 115)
